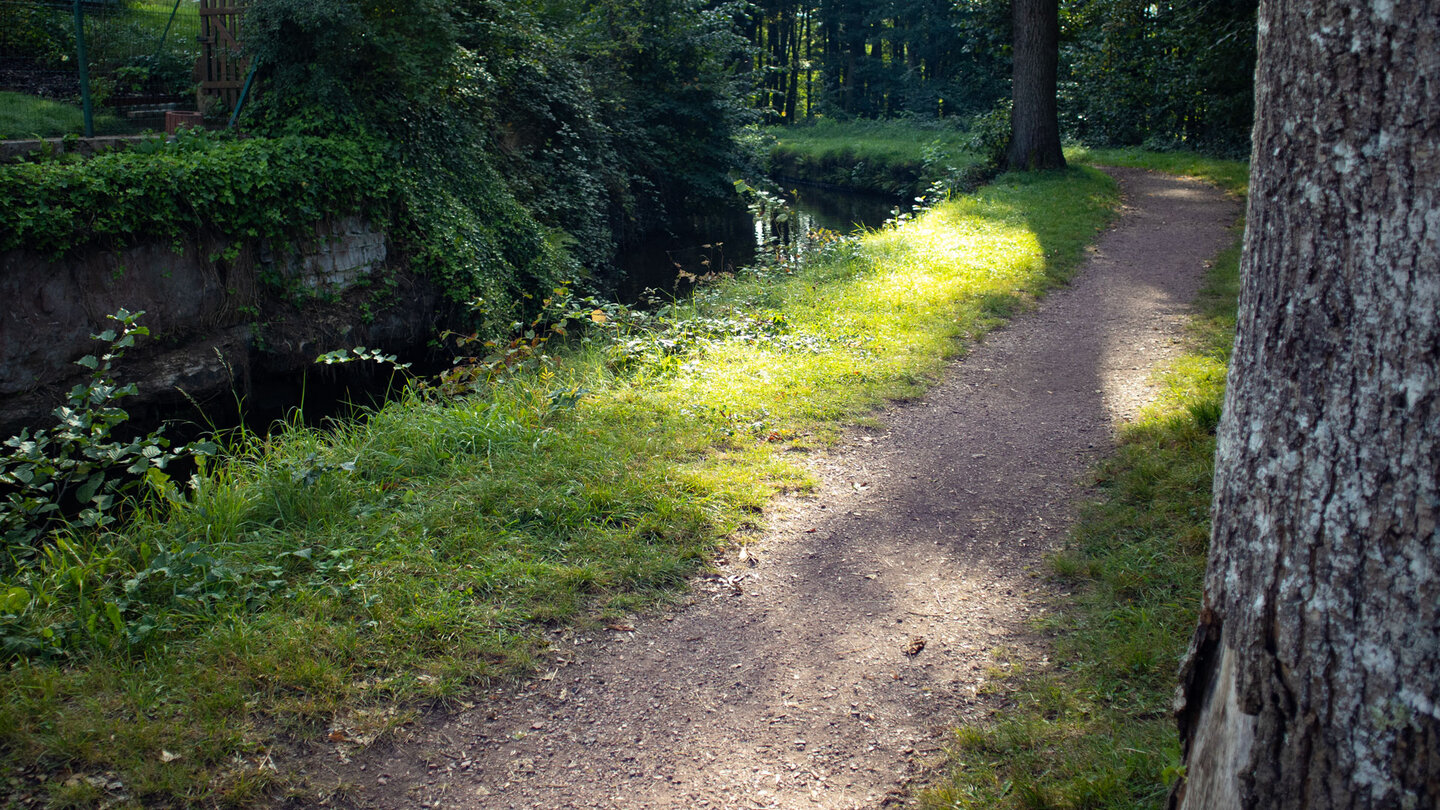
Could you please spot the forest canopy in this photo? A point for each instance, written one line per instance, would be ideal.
(531, 140)
(1162, 74)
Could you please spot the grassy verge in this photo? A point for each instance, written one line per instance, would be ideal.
(1094, 729)
(329, 584)
(886, 157)
(1231, 175)
(23, 116)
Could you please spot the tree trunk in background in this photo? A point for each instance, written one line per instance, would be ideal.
(1034, 121)
(792, 67)
(1314, 677)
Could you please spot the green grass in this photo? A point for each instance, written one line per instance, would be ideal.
(1231, 175)
(23, 116)
(888, 141)
(338, 581)
(1093, 730)
(890, 157)
(127, 38)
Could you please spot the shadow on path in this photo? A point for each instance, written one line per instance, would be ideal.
(803, 688)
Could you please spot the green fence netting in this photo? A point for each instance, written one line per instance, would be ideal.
(141, 58)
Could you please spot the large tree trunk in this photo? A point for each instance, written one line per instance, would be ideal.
(1314, 677)
(1034, 122)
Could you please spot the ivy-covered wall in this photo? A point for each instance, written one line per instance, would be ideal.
(223, 312)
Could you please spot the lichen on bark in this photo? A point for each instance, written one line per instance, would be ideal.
(1320, 617)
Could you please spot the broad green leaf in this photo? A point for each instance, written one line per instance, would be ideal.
(87, 490)
(15, 601)
(113, 613)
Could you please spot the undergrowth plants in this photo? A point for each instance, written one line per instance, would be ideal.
(885, 157)
(169, 189)
(329, 582)
(77, 472)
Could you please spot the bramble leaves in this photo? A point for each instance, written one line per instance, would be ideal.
(77, 472)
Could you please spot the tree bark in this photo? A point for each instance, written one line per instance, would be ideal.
(1313, 680)
(1034, 119)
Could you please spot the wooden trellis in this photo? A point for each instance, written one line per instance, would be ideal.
(220, 73)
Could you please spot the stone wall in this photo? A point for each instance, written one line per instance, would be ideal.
(85, 147)
(221, 315)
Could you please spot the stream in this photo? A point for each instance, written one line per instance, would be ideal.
(721, 242)
(710, 243)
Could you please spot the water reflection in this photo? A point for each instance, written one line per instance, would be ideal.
(721, 241)
(715, 243)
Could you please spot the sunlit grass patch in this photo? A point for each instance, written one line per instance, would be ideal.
(889, 157)
(884, 140)
(387, 563)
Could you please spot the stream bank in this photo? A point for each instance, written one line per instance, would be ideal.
(723, 241)
(321, 587)
(236, 327)
(821, 664)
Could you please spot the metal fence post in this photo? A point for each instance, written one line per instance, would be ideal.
(166, 35)
(244, 91)
(84, 71)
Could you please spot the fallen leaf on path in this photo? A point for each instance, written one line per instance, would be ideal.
(915, 645)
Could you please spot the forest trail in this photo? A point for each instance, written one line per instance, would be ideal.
(824, 670)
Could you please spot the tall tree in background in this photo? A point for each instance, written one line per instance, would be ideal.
(877, 58)
(1314, 677)
(1034, 120)
(1162, 73)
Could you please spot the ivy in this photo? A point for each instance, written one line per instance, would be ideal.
(460, 227)
(198, 183)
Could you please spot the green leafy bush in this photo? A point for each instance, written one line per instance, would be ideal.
(199, 183)
(78, 472)
(42, 32)
(525, 136)
(990, 134)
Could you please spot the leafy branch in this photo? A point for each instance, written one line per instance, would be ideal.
(78, 472)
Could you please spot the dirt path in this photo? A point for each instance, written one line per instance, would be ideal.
(801, 685)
